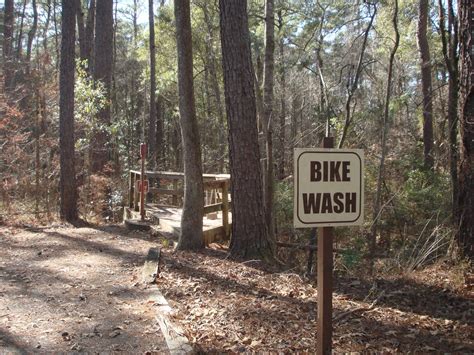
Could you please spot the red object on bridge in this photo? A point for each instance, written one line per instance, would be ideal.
(143, 150)
(145, 185)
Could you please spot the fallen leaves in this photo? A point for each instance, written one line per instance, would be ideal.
(228, 306)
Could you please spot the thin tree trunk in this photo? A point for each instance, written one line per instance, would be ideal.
(355, 82)
(8, 70)
(449, 41)
(81, 30)
(56, 33)
(193, 207)
(426, 82)
(68, 201)
(46, 26)
(385, 128)
(152, 117)
(258, 93)
(31, 35)
(281, 133)
(249, 230)
(268, 86)
(19, 44)
(89, 36)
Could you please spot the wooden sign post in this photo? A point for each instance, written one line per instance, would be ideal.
(325, 271)
(329, 192)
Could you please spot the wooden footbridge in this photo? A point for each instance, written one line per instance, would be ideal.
(164, 200)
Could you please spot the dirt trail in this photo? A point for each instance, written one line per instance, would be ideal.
(65, 289)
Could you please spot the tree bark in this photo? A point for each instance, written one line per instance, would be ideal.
(281, 133)
(56, 33)
(81, 30)
(193, 207)
(19, 44)
(258, 93)
(268, 85)
(466, 116)
(67, 183)
(450, 43)
(31, 35)
(89, 36)
(8, 69)
(249, 230)
(46, 26)
(103, 72)
(152, 117)
(426, 87)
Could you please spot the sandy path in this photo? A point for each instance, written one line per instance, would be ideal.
(65, 289)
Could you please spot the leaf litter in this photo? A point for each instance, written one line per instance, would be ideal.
(227, 306)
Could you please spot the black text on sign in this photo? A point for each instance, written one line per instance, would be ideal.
(329, 187)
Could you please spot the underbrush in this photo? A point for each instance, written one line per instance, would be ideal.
(101, 199)
(414, 226)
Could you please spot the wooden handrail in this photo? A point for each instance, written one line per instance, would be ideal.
(211, 182)
(215, 184)
(155, 190)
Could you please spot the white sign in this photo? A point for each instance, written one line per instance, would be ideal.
(329, 187)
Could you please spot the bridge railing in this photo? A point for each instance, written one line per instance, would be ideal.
(167, 189)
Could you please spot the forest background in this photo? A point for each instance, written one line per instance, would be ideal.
(382, 75)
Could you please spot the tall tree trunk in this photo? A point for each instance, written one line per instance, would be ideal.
(56, 33)
(258, 93)
(31, 35)
(19, 44)
(384, 128)
(152, 117)
(67, 183)
(281, 133)
(8, 68)
(449, 41)
(89, 36)
(46, 26)
(426, 83)
(103, 52)
(81, 30)
(193, 208)
(268, 85)
(249, 230)
(466, 117)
